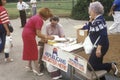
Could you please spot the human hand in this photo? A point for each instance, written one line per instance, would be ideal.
(91, 18)
(44, 40)
(51, 37)
(110, 13)
(98, 53)
(8, 33)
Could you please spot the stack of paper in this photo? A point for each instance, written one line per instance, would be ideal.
(58, 39)
(70, 48)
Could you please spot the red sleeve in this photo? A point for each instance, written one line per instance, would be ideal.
(39, 23)
(4, 18)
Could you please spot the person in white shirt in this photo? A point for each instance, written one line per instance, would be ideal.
(22, 6)
(34, 6)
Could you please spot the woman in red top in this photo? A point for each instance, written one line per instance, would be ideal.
(30, 31)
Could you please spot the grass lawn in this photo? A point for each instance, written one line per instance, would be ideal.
(61, 8)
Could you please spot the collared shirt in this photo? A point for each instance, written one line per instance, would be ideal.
(33, 3)
(22, 6)
(98, 24)
(57, 30)
(117, 5)
(4, 18)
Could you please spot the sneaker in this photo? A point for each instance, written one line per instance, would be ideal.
(8, 60)
(57, 77)
(29, 69)
(37, 73)
(116, 69)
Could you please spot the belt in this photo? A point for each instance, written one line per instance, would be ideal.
(21, 10)
(117, 10)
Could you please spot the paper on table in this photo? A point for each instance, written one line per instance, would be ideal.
(57, 38)
(72, 47)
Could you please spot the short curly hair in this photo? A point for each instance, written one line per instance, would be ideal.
(97, 7)
(54, 18)
(45, 12)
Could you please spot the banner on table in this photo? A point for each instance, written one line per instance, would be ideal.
(78, 63)
(55, 57)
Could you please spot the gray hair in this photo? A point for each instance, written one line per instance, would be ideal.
(97, 7)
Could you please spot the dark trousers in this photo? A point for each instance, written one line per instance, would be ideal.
(2, 37)
(41, 44)
(55, 73)
(97, 63)
(22, 17)
(6, 55)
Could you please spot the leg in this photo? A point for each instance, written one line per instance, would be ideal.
(36, 65)
(54, 72)
(37, 71)
(97, 63)
(33, 10)
(103, 78)
(20, 12)
(40, 57)
(2, 41)
(116, 25)
(41, 48)
(7, 59)
(115, 69)
(30, 64)
(7, 49)
(23, 18)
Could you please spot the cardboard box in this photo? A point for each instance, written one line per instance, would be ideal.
(81, 35)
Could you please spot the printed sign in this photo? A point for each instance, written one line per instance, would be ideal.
(55, 57)
(78, 63)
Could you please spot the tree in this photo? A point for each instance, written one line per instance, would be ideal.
(80, 9)
(107, 5)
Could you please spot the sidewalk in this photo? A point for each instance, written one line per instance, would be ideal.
(16, 70)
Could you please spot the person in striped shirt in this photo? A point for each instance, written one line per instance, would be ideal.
(4, 30)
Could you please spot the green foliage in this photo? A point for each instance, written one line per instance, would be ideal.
(12, 10)
(80, 9)
(61, 8)
(107, 5)
(77, 9)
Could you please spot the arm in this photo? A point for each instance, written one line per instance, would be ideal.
(112, 10)
(61, 31)
(98, 51)
(5, 20)
(87, 25)
(39, 34)
(101, 43)
(7, 30)
(26, 6)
